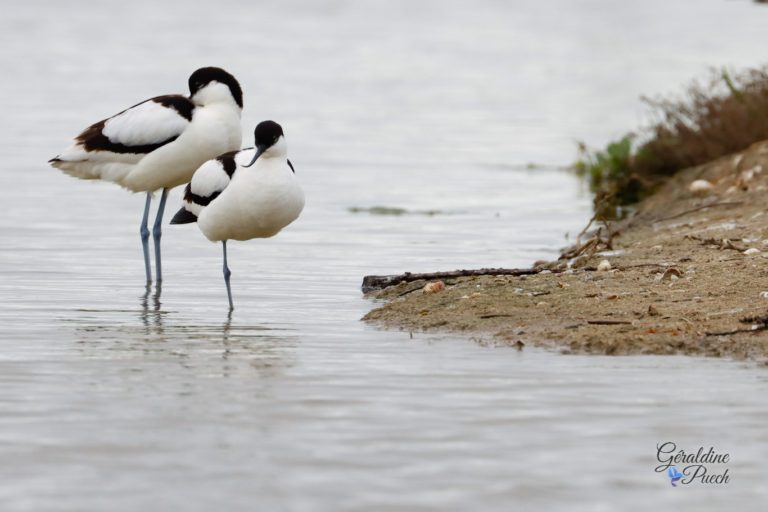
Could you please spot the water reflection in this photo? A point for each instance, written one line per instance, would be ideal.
(163, 333)
(152, 316)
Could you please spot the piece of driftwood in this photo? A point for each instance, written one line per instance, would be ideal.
(608, 322)
(702, 207)
(602, 240)
(759, 323)
(721, 243)
(755, 328)
(372, 283)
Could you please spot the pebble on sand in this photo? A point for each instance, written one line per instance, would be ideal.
(700, 187)
(435, 287)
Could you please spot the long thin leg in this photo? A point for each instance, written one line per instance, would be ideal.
(157, 232)
(145, 238)
(227, 273)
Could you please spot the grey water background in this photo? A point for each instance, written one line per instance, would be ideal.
(116, 399)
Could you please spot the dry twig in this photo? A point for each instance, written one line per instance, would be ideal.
(721, 243)
(609, 322)
(759, 323)
(703, 207)
(371, 283)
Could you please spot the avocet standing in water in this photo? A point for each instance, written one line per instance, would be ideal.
(159, 143)
(230, 198)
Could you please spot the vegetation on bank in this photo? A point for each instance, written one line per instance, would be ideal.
(716, 117)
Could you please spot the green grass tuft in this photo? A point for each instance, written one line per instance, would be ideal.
(725, 114)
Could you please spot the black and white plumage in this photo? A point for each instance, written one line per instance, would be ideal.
(207, 183)
(240, 195)
(160, 142)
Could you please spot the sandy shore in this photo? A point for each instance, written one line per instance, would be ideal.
(688, 274)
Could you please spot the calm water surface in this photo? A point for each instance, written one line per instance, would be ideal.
(113, 398)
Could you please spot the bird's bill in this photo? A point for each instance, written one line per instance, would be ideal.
(259, 151)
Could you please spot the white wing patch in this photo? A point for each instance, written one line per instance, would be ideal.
(146, 123)
(209, 179)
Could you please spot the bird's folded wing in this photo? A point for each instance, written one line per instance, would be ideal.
(140, 129)
(211, 179)
(207, 183)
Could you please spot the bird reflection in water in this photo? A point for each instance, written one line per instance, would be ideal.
(215, 347)
(152, 316)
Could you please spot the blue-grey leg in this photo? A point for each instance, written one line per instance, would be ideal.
(157, 232)
(144, 231)
(227, 273)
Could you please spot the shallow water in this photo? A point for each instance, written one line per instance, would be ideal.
(113, 398)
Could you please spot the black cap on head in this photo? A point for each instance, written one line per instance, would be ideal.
(204, 76)
(266, 134)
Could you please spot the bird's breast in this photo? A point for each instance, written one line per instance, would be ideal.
(214, 130)
(258, 203)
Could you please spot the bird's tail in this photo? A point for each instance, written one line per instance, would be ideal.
(77, 162)
(183, 216)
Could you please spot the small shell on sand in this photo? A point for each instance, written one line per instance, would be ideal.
(435, 287)
(751, 250)
(604, 266)
(764, 295)
(700, 187)
(670, 274)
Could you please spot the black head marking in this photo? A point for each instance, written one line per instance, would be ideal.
(266, 134)
(204, 76)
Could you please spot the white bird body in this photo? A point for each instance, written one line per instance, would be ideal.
(214, 128)
(258, 202)
(252, 193)
(159, 143)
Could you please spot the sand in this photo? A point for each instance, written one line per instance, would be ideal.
(688, 274)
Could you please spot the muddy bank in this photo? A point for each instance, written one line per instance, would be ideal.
(688, 273)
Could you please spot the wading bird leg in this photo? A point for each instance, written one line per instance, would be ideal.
(157, 233)
(145, 238)
(227, 273)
